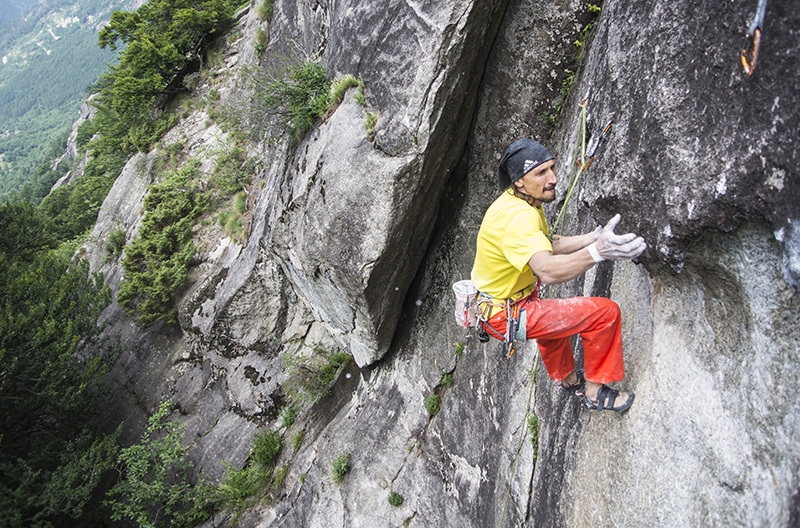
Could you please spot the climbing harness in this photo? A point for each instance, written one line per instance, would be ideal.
(515, 314)
(750, 58)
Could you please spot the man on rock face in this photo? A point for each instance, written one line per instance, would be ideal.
(515, 254)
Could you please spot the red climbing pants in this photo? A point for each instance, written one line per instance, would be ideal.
(553, 321)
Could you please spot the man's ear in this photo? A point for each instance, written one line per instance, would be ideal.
(518, 183)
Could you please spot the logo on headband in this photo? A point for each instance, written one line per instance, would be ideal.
(529, 164)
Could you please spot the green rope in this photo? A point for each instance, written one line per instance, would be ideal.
(576, 170)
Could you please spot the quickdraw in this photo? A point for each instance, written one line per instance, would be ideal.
(515, 315)
(749, 58)
(594, 143)
(513, 324)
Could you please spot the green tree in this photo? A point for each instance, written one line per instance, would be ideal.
(26, 232)
(164, 40)
(50, 358)
(154, 488)
(74, 207)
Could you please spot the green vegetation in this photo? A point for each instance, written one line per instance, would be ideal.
(304, 93)
(533, 431)
(369, 124)
(233, 171)
(298, 97)
(395, 499)
(154, 487)
(340, 468)
(338, 88)
(288, 416)
(241, 485)
(594, 10)
(50, 359)
(232, 220)
(233, 174)
(432, 404)
(309, 379)
(164, 41)
(156, 263)
(297, 440)
(115, 243)
(266, 448)
(73, 208)
(265, 8)
(35, 183)
(340, 85)
(279, 477)
(40, 92)
(262, 39)
(459, 347)
(359, 95)
(446, 380)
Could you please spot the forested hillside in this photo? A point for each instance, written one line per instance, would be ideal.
(51, 455)
(49, 58)
(11, 9)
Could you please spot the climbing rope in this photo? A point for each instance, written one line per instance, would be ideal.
(583, 161)
(749, 58)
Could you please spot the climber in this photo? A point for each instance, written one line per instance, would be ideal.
(515, 254)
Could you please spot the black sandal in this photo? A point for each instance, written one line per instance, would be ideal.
(576, 388)
(606, 397)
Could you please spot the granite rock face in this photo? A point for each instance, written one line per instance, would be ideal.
(353, 245)
(696, 143)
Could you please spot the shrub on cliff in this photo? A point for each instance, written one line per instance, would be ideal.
(299, 97)
(156, 264)
(154, 486)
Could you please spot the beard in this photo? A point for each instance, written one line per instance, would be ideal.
(548, 200)
(533, 200)
(546, 196)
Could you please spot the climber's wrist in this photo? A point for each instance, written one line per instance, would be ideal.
(594, 253)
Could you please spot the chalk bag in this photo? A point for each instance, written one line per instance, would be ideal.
(466, 303)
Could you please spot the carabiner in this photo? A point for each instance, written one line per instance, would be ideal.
(754, 39)
(585, 101)
(594, 143)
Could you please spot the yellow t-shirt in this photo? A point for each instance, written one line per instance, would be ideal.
(512, 231)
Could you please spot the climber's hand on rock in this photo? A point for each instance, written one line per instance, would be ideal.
(610, 246)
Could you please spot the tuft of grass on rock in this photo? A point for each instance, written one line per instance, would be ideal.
(432, 404)
(340, 468)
